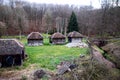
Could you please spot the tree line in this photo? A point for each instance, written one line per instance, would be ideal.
(21, 17)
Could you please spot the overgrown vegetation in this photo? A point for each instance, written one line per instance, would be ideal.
(90, 69)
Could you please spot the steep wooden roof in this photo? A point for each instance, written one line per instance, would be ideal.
(10, 46)
(75, 34)
(57, 35)
(35, 35)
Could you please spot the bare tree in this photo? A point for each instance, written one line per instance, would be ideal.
(58, 23)
(48, 20)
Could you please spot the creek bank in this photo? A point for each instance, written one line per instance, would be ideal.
(112, 52)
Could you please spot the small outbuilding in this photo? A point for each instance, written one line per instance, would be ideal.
(57, 38)
(35, 39)
(74, 37)
(11, 52)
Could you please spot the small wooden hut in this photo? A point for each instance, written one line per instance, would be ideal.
(57, 38)
(74, 37)
(35, 39)
(11, 52)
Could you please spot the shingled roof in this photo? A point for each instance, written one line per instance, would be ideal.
(75, 34)
(57, 35)
(10, 46)
(35, 35)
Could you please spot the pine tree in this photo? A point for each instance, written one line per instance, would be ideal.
(73, 24)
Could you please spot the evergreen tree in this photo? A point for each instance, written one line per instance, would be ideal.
(73, 24)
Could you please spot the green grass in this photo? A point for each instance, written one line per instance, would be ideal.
(49, 56)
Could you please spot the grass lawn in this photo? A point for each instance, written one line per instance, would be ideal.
(48, 56)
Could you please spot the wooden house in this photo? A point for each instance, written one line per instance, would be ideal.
(57, 38)
(74, 37)
(11, 52)
(35, 39)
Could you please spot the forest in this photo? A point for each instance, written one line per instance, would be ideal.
(22, 17)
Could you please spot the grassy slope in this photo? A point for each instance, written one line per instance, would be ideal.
(48, 56)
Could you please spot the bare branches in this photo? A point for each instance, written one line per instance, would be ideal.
(27, 17)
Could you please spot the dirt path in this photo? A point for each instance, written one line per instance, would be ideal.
(17, 74)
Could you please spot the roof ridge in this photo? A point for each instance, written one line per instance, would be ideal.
(19, 43)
